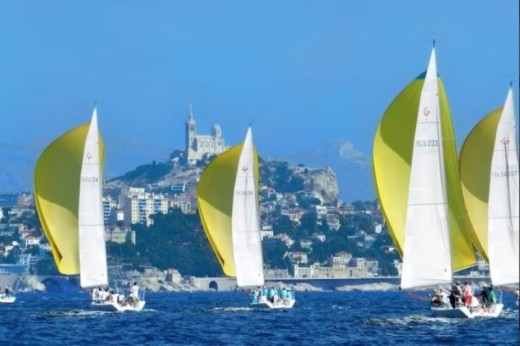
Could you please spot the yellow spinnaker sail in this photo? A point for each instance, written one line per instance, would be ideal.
(392, 156)
(56, 191)
(215, 203)
(475, 174)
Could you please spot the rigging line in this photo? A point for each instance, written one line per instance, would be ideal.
(440, 154)
(508, 185)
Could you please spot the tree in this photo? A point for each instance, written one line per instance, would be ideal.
(305, 201)
(176, 240)
(284, 225)
(5, 218)
(13, 256)
(309, 222)
(324, 227)
(46, 266)
(273, 252)
(358, 206)
(34, 250)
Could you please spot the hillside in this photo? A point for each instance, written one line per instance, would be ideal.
(352, 168)
(281, 176)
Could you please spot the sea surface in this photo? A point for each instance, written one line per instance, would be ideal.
(224, 318)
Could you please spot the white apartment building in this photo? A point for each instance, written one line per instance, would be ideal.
(266, 231)
(139, 205)
(109, 205)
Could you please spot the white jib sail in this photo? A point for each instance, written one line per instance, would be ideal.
(503, 201)
(426, 255)
(247, 246)
(92, 251)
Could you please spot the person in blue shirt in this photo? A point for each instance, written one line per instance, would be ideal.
(283, 293)
(264, 291)
(270, 294)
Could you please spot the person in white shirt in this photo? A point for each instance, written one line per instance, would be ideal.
(134, 292)
(95, 294)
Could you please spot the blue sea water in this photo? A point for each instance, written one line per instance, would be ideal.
(224, 318)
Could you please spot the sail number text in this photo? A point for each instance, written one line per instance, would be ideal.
(427, 142)
(245, 192)
(501, 174)
(89, 179)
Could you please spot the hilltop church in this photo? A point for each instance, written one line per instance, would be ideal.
(200, 147)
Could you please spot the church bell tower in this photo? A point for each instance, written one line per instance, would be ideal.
(190, 132)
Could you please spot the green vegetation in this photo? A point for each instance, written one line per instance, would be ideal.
(274, 251)
(176, 240)
(151, 172)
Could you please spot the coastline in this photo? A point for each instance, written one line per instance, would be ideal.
(157, 283)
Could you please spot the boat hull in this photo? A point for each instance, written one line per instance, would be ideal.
(7, 300)
(463, 312)
(492, 311)
(449, 312)
(119, 307)
(280, 304)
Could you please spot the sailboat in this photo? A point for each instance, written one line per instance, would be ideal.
(417, 181)
(489, 176)
(227, 199)
(68, 195)
(7, 296)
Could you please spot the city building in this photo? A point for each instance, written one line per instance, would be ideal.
(139, 205)
(200, 147)
(341, 266)
(109, 208)
(186, 203)
(340, 259)
(298, 257)
(266, 231)
(173, 275)
(119, 236)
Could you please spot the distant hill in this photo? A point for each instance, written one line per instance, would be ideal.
(352, 167)
(17, 161)
(161, 176)
(17, 166)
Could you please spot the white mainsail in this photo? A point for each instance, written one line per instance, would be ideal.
(427, 258)
(503, 205)
(247, 246)
(92, 252)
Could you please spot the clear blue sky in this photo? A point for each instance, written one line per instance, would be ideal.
(302, 72)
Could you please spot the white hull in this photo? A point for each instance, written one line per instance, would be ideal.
(280, 304)
(114, 306)
(493, 311)
(7, 300)
(463, 312)
(449, 312)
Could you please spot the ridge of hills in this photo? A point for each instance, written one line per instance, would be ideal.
(352, 167)
(162, 177)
